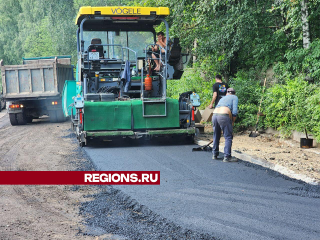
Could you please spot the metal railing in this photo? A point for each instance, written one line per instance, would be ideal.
(162, 73)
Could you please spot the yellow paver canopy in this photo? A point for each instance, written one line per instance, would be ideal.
(121, 11)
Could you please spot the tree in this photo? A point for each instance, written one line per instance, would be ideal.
(10, 45)
(305, 24)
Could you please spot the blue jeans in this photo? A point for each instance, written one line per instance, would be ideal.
(224, 123)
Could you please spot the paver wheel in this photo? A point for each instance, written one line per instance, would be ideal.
(190, 139)
(13, 119)
(81, 144)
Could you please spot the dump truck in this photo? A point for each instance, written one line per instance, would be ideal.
(118, 90)
(34, 88)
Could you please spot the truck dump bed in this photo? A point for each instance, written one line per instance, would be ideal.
(36, 78)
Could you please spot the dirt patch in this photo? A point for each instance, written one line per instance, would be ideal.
(40, 212)
(68, 212)
(284, 152)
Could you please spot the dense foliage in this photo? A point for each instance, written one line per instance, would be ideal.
(40, 27)
(241, 39)
(294, 105)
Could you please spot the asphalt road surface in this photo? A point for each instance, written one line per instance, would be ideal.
(227, 200)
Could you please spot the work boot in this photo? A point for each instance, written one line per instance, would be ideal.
(214, 157)
(230, 159)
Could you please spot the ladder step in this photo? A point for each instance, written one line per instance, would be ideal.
(158, 108)
(154, 100)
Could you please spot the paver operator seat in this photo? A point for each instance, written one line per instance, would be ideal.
(96, 48)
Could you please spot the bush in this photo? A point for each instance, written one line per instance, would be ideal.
(248, 90)
(293, 106)
(192, 81)
(301, 62)
(313, 110)
(246, 85)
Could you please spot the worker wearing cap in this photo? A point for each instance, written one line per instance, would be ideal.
(223, 119)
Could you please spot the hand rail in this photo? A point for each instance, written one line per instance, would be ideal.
(135, 54)
(141, 87)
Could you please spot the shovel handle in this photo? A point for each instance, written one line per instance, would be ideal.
(208, 143)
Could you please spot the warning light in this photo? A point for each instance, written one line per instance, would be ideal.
(192, 114)
(54, 103)
(80, 116)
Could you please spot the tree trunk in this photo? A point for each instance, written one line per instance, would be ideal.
(305, 24)
(195, 44)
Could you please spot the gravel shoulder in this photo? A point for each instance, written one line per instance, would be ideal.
(68, 212)
(284, 152)
(40, 212)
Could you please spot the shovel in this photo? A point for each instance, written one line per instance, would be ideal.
(205, 148)
(256, 133)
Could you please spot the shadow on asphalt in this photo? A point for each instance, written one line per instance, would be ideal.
(45, 120)
(128, 142)
(123, 142)
(42, 120)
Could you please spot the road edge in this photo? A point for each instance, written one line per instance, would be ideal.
(3, 113)
(275, 167)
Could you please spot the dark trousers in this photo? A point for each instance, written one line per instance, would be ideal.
(224, 123)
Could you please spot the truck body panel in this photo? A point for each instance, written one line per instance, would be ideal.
(34, 80)
(66, 60)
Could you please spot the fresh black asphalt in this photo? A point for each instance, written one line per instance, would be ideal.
(225, 200)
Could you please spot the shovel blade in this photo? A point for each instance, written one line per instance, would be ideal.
(197, 149)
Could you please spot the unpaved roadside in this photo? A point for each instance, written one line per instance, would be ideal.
(273, 149)
(68, 212)
(39, 212)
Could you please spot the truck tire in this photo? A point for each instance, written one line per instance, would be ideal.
(22, 119)
(53, 116)
(13, 119)
(29, 119)
(60, 116)
(56, 116)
